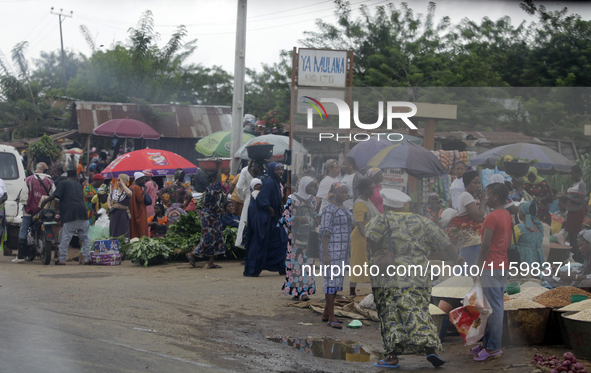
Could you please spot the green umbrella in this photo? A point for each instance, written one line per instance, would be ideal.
(218, 144)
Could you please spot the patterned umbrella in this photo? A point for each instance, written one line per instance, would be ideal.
(548, 161)
(128, 128)
(414, 159)
(161, 162)
(218, 144)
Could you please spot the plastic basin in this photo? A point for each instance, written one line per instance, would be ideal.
(209, 164)
(528, 326)
(260, 152)
(579, 334)
(577, 298)
(513, 288)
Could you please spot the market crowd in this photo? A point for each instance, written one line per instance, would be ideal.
(342, 216)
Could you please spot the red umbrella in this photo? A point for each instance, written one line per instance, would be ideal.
(126, 128)
(161, 162)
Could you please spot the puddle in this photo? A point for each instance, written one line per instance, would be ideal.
(327, 348)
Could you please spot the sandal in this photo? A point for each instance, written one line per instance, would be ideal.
(191, 260)
(435, 360)
(475, 350)
(383, 364)
(484, 355)
(335, 324)
(304, 298)
(215, 266)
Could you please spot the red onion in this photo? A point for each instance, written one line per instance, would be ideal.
(568, 356)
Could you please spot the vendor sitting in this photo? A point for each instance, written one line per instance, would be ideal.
(229, 219)
(157, 223)
(583, 279)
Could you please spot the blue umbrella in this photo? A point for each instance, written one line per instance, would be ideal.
(548, 161)
(366, 150)
(414, 159)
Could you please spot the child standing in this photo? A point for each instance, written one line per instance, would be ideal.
(335, 242)
(496, 237)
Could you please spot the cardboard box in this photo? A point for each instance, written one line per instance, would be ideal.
(104, 246)
(105, 259)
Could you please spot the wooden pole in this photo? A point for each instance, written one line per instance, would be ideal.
(429, 136)
(347, 141)
(88, 151)
(294, 64)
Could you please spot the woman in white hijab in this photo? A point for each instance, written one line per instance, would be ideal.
(299, 218)
(247, 174)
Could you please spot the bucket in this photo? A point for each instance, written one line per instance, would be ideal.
(260, 152)
(579, 333)
(528, 326)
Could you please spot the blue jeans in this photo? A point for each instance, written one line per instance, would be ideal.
(25, 225)
(494, 290)
(79, 227)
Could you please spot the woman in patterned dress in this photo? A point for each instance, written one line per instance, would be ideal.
(335, 240)
(537, 187)
(175, 197)
(212, 240)
(299, 220)
(529, 234)
(402, 239)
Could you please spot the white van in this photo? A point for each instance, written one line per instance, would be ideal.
(12, 173)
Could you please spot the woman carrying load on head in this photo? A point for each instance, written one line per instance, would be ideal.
(175, 197)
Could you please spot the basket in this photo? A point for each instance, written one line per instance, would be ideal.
(518, 169)
(260, 152)
(578, 334)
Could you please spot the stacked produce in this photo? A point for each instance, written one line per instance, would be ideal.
(584, 315)
(530, 290)
(578, 306)
(185, 234)
(453, 287)
(521, 304)
(568, 364)
(559, 297)
(146, 249)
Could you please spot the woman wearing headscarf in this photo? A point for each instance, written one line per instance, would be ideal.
(575, 206)
(335, 239)
(331, 168)
(540, 190)
(363, 211)
(299, 220)
(91, 190)
(464, 229)
(519, 192)
(212, 240)
(529, 234)
(243, 189)
(175, 197)
(151, 189)
(351, 179)
(118, 201)
(377, 176)
(138, 225)
(267, 241)
(402, 239)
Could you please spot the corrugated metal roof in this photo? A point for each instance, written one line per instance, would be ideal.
(184, 121)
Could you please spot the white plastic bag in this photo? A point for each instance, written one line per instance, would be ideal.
(103, 219)
(470, 320)
(368, 303)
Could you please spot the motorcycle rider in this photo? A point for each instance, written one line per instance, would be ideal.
(73, 216)
(38, 185)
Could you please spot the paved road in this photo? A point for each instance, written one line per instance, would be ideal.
(35, 337)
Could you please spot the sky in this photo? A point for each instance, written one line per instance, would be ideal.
(272, 25)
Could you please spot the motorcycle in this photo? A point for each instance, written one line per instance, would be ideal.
(41, 236)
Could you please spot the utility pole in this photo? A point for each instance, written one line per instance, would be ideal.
(60, 15)
(239, 73)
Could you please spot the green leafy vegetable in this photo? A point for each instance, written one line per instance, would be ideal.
(148, 248)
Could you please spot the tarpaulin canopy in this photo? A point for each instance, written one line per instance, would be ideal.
(128, 128)
(161, 162)
(547, 160)
(414, 159)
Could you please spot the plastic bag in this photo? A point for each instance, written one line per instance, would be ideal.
(470, 320)
(97, 233)
(103, 219)
(368, 303)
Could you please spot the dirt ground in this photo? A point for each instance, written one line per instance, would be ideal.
(214, 317)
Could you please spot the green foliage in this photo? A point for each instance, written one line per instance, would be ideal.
(148, 248)
(187, 225)
(182, 245)
(45, 146)
(562, 182)
(230, 235)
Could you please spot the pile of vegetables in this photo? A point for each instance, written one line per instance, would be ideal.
(146, 248)
(183, 236)
(45, 146)
(568, 364)
(259, 143)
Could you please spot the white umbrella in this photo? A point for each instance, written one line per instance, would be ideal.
(281, 145)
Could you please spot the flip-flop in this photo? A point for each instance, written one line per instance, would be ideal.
(483, 355)
(475, 350)
(435, 360)
(215, 266)
(191, 260)
(335, 324)
(383, 364)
